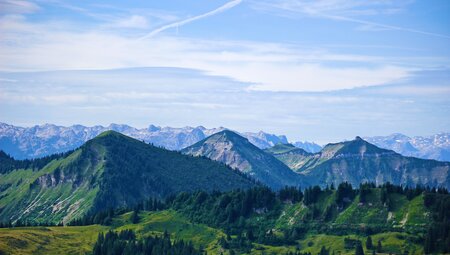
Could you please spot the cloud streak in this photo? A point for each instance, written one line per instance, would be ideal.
(380, 25)
(345, 11)
(17, 6)
(222, 8)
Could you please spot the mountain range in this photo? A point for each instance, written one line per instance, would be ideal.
(113, 170)
(359, 161)
(43, 140)
(430, 147)
(355, 162)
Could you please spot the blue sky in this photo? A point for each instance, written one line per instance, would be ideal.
(314, 70)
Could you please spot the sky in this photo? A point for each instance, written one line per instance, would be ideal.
(316, 70)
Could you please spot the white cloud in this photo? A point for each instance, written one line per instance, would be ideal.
(134, 21)
(318, 78)
(268, 66)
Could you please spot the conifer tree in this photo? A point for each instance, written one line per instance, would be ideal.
(359, 249)
(379, 247)
(369, 244)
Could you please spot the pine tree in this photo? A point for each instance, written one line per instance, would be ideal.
(369, 244)
(379, 247)
(135, 217)
(323, 251)
(359, 249)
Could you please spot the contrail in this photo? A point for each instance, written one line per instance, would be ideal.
(222, 8)
(364, 22)
(383, 25)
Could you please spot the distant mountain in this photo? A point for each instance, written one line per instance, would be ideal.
(263, 140)
(431, 147)
(111, 170)
(48, 139)
(359, 161)
(237, 152)
(308, 146)
(43, 140)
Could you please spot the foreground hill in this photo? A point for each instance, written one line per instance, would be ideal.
(255, 221)
(237, 152)
(111, 170)
(358, 161)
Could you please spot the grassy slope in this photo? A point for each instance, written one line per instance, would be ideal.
(371, 212)
(49, 240)
(151, 223)
(392, 242)
(46, 203)
(409, 215)
(78, 240)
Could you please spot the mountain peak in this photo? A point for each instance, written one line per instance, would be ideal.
(153, 128)
(111, 137)
(361, 147)
(230, 135)
(236, 151)
(110, 133)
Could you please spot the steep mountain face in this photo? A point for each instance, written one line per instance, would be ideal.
(237, 152)
(433, 147)
(109, 171)
(39, 141)
(358, 161)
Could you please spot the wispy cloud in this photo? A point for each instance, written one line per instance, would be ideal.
(346, 10)
(222, 8)
(17, 6)
(271, 66)
(266, 66)
(380, 25)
